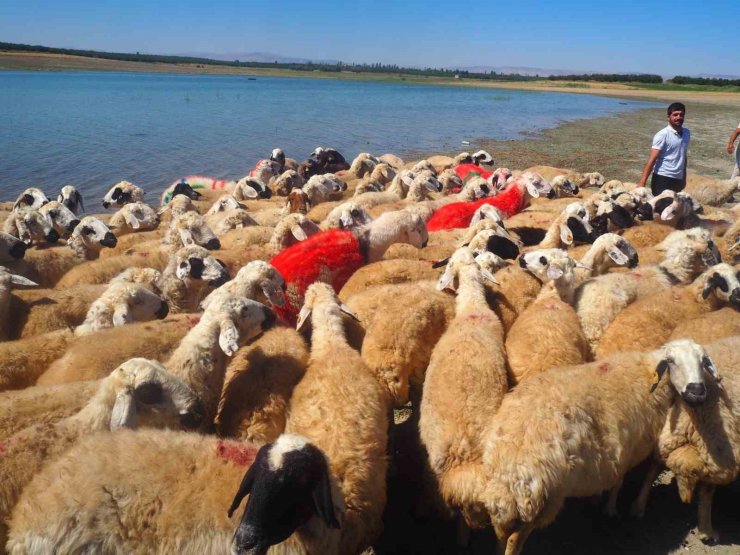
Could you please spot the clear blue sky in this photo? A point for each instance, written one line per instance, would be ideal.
(680, 37)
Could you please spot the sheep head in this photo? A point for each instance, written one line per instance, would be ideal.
(686, 363)
(122, 193)
(238, 319)
(70, 197)
(196, 263)
(723, 282)
(146, 394)
(30, 199)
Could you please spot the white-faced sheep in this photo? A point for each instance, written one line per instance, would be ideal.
(122, 193)
(700, 442)
(547, 333)
(355, 444)
(712, 192)
(348, 215)
(287, 181)
(8, 281)
(594, 423)
(70, 197)
(139, 393)
(121, 304)
(11, 248)
(30, 199)
(256, 280)
(364, 163)
(31, 226)
(464, 384)
(48, 266)
(648, 323)
(599, 300)
(190, 275)
(133, 217)
(62, 218)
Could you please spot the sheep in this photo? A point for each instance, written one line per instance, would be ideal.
(335, 255)
(258, 385)
(121, 304)
(30, 199)
(321, 188)
(24, 360)
(355, 443)
(348, 215)
(11, 248)
(564, 187)
(607, 251)
(464, 384)
(449, 181)
(103, 270)
(256, 280)
(139, 393)
(63, 220)
(593, 423)
(387, 272)
(31, 226)
(133, 217)
(95, 356)
(721, 323)
(397, 190)
(191, 274)
(599, 300)
(200, 359)
(329, 159)
(7, 281)
(423, 165)
(569, 226)
(648, 322)
(40, 405)
(547, 333)
(368, 186)
(122, 193)
(382, 173)
(278, 155)
(287, 181)
(700, 443)
(710, 191)
(512, 200)
(49, 266)
(402, 323)
(178, 465)
(70, 197)
(364, 163)
(190, 229)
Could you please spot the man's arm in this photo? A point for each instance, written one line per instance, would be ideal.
(733, 138)
(654, 153)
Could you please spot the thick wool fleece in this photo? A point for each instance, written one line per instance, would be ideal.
(329, 256)
(459, 214)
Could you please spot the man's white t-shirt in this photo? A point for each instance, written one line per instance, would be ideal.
(673, 148)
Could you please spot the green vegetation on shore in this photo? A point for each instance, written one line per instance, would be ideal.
(392, 72)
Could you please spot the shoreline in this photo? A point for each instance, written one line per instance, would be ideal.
(38, 61)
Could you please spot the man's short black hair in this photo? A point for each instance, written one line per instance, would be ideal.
(676, 106)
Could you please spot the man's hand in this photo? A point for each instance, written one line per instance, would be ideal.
(730, 148)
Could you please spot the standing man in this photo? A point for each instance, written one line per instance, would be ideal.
(668, 155)
(731, 147)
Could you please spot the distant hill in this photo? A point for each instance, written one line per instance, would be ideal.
(262, 57)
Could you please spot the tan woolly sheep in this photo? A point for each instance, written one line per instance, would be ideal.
(719, 324)
(8, 281)
(132, 218)
(648, 322)
(122, 193)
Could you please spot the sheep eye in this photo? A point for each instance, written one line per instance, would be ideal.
(53, 213)
(543, 260)
(88, 230)
(183, 264)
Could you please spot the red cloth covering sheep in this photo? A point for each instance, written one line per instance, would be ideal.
(466, 171)
(330, 256)
(458, 214)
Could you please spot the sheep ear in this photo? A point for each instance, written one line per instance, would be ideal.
(303, 316)
(709, 366)
(248, 191)
(78, 196)
(132, 220)
(408, 180)
(348, 311)
(323, 503)
(21, 280)
(533, 192)
(345, 220)
(447, 280)
(122, 315)
(617, 256)
(489, 276)
(669, 212)
(228, 338)
(442, 263)
(708, 286)
(186, 237)
(298, 233)
(566, 235)
(245, 488)
(554, 273)
(124, 411)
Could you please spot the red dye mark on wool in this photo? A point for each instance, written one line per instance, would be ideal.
(603, 368)
(235, 452)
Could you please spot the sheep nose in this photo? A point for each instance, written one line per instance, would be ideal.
(267, 193)
(522, 262)
(269, 320)
(695, 393)
(551, 193)
(106, 204)
(52, 236)
(735, 298)
(72, 225)
(193, 417)
(213, 245)
(163, 311)
(109, 240)
(634, 261)
(18, 250)
(425, 243)
(246, 540)
(219, 281)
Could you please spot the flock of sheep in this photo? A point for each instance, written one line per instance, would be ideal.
(219, 373)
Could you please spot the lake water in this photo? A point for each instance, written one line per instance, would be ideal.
(92, 129)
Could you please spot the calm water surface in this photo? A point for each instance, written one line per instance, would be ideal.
(93, 129)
